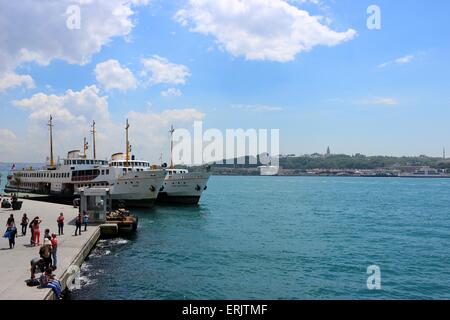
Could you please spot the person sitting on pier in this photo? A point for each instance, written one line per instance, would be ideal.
(48, 280)
(45, 253)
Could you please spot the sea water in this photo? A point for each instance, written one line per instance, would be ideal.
(284, 238)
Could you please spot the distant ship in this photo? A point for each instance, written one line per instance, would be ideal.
(425, 172)
(268, 170)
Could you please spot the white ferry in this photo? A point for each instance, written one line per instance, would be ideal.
(129, 185)
(180, 185)
(268, 170)
(183, 187)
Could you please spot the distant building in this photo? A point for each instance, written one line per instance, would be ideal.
(328, 152)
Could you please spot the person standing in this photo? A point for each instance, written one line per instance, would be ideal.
(60, 222)
(85, 220)
(36, 231)
(78, 222)
(54, 242)
(12, 237)
(45, 252)
(24, 224)
(10, 223)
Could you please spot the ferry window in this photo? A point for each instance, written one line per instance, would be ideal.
(107, 171)
(103, 172)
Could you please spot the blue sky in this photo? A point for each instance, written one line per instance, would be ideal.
(377, 92)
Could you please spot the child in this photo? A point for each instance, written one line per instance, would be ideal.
(54, 242)
(47, 234)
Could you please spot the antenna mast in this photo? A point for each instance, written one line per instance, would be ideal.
(85, 147)
(93, 139)
(50, 125)
(127, 154)
(171, 131)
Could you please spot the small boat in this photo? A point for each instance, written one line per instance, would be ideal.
(126, 222)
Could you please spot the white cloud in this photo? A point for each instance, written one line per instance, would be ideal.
(111, 75)
(260, 29)
(10, 80)
(171, 92)
(73, 106)
(158, 70)
(6, 134)
(37, 32)
(399, 61)
(73, 112)
(257, 108)
(386, 101)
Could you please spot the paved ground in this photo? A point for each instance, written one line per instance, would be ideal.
(15, 263)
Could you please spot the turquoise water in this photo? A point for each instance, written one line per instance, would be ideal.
(284, 238)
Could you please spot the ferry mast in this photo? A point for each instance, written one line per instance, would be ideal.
(85, 147)
(50, 126)
(171, 131)
(128, 146)
(93, 139)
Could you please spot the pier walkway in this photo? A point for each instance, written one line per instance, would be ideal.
(15, 263)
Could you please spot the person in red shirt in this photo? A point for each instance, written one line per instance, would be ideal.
(54, 242)
(60, 222)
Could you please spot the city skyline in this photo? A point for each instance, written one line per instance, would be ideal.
(336, 82)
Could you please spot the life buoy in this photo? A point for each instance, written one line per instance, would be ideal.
(152, 188)
(197, 188)
(161, 189)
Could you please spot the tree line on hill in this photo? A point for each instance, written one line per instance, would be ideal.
(339, 161)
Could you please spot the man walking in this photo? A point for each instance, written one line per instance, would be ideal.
(78, 222)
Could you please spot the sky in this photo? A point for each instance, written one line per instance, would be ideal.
(311, 68)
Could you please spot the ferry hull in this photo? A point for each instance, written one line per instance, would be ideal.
(183, 188)
(164, 198)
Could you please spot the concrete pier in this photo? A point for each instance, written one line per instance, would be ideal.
(15, 263)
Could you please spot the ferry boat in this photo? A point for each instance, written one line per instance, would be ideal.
(180, 185)
(177, 186)
(268, 170)
(127, 184)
